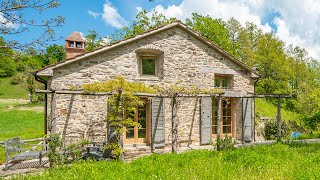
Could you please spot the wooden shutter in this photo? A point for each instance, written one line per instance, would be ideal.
(157, 123)
(206, 120)
(247, 119)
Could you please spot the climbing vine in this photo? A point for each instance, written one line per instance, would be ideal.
(123, 102)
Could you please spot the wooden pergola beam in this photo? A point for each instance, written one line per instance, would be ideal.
(137, 94)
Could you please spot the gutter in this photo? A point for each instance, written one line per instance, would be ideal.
(41, 80)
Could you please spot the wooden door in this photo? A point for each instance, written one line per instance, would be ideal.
(138, 134)
(226, 119)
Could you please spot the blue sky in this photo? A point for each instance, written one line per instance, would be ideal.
(293, 21)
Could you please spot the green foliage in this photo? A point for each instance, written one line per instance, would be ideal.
(225, 144)
(270, 130)
(313, 121)
(54, 53)
(277, 161)
(121, 105)
(75, 151)
(54, 143)
(93, 40)
(141, 24)
(214, 30)
(17, 79)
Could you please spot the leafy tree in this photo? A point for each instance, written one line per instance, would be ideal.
(272, 65)
(14, 20)
(212, 29)
(7, 64)
(54, 53)
(141, 24)
(93, 40)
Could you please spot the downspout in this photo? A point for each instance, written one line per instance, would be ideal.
(41, 80)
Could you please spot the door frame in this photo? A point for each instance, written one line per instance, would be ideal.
(222, 135)
(136, 139)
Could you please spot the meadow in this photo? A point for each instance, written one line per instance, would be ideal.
(277, 161)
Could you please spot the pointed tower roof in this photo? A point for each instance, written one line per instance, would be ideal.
(75, 36)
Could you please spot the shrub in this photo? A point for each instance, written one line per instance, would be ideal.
(16, 79)
(225, 144)
(270, 129)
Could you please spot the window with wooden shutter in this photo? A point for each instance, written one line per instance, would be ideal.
(157, 122)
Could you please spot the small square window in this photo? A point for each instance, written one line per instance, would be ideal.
(221, 82)
(148, 66)
(79, 45)
(71, 44)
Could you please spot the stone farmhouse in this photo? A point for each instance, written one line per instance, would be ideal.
(160, 56)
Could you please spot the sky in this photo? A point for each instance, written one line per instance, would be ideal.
(293, 21)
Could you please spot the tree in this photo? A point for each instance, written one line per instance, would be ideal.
(141, 24)
(54, 53)
(212, 29)
(7, 64)
(234, 29)
(14, 20)
(93, 40)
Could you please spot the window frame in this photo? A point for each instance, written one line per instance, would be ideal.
(136, 139)
(156, 68)
(222, 116)
(155, 65)
(221, 78)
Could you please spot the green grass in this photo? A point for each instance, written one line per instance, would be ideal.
(27, 124)
(278, 161)
(267, 109)
(7, 90)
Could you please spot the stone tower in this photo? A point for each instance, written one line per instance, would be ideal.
(75, 45)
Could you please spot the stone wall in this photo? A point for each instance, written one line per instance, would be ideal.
(185, 59)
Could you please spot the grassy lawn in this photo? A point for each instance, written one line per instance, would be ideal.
(278, 161)
(8, 90)
(14, 122)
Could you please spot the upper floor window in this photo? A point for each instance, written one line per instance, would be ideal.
(148, 66)
(149, 62)
(223, 82)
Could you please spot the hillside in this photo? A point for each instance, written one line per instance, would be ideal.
(267, 109)
(9, 91)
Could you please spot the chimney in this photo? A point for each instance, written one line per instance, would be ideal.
(75, 45)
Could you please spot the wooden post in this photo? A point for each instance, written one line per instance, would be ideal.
(174, 123)
(279, 120)
(219, 116)
(53, 113)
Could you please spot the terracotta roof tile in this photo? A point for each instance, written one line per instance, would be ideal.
(75, 36)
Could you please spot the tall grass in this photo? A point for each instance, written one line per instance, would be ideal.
(278, 161)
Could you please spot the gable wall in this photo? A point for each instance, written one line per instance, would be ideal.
(184, 59)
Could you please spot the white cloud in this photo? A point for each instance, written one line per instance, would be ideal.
(94, 14)
(139, 9)
(6, 23)
(111, 16)
(298, 22)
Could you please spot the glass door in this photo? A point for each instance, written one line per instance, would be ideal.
(225, 118)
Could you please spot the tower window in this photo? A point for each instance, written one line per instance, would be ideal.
(71, 44)
(78, 44)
